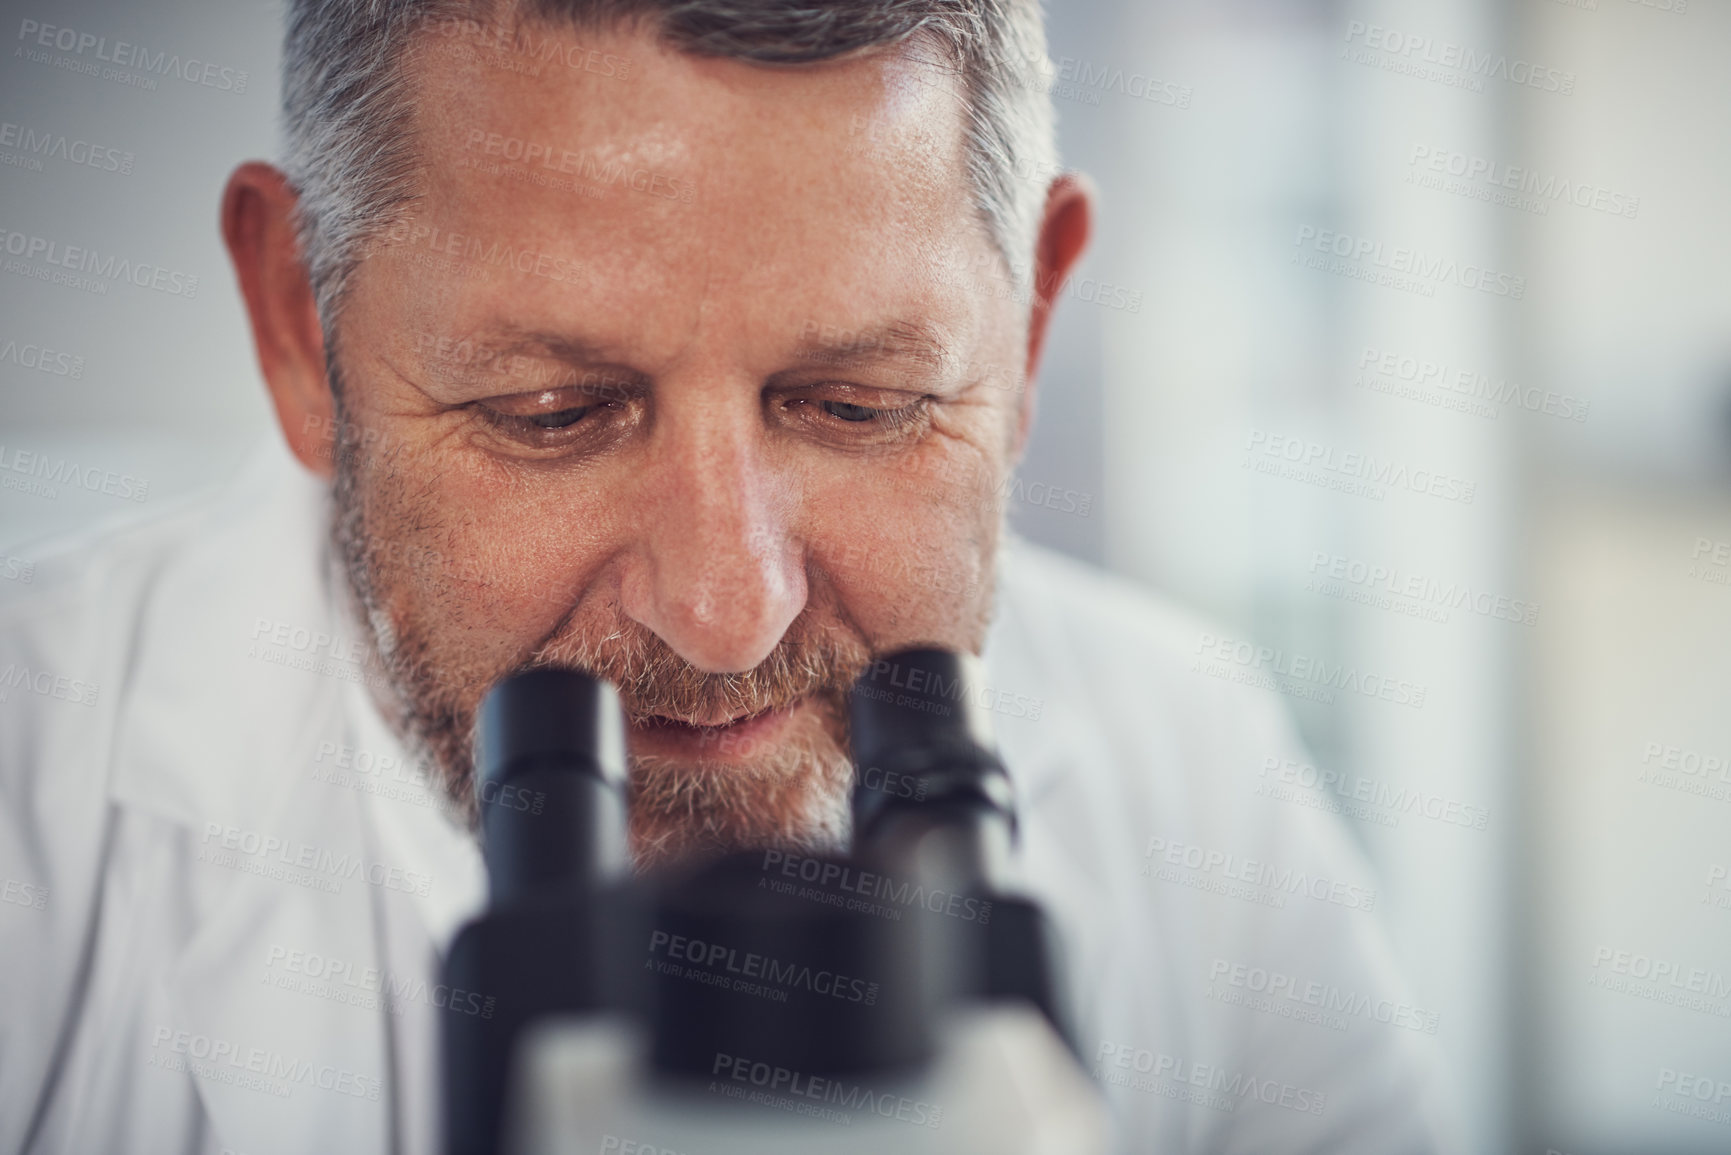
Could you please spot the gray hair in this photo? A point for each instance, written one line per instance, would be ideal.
(348, 115)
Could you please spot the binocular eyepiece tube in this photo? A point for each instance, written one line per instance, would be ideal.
(550, 783)
(570, 931)
(930, 792)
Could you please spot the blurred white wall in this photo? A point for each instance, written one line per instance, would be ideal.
(166, 390)
(1254, 467)
(1630, 681)
(1312, 232)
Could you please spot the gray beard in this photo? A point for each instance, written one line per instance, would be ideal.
(794, 795)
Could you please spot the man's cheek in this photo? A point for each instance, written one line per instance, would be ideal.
(447, 537)
(909, 547)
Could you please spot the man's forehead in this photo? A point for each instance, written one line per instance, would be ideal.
(892, 114)
(655, 191)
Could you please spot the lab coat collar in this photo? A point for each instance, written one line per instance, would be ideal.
(1049, 738)
(212, 713)
(252, 610)
(1027, 670)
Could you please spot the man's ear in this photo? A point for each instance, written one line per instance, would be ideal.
(258, 225)
(1064, 231)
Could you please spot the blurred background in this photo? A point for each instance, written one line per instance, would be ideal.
(1404, 343)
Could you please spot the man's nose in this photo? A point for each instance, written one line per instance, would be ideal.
(717, 574)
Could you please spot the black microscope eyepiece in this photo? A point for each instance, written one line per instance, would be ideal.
(550, 783)
(922, 739)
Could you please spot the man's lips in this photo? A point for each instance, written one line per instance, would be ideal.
(715, 721)
(729, 737)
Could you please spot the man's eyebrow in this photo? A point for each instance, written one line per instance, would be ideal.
(521, 360)
(900, 340)
(554, 346)
(817, 344)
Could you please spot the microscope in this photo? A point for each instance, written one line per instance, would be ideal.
(902, 997)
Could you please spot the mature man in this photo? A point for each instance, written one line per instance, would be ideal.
(690, 343)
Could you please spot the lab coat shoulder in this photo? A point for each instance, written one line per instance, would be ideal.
(132, 718)
(127, 633)
(1222, 879)
(1182, 746)
(67, 639)
(68, 651)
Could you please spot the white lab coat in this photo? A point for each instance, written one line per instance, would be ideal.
(225, 902)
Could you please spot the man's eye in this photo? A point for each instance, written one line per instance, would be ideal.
(560, 419)
(855, 425)
(853, 413)
(586, 426)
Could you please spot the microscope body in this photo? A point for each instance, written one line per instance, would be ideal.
(1001, 1083)
(761, 1002)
